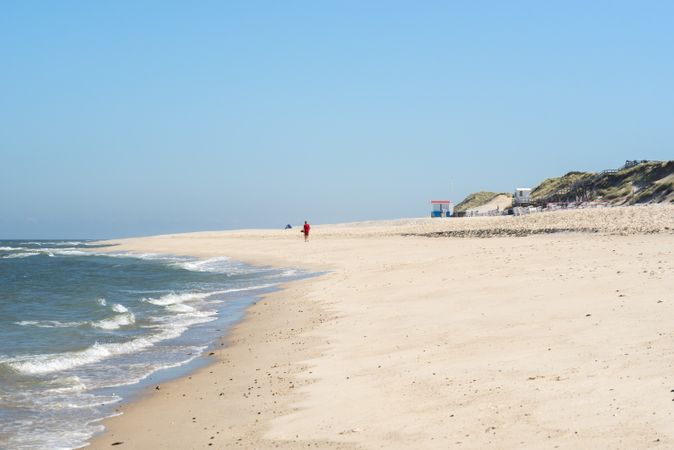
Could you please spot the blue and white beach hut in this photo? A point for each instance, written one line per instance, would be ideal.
(441, 208)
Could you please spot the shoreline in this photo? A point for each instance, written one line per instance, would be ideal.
(145, 387)
(509, 342)
(221, 356)
(219, 368)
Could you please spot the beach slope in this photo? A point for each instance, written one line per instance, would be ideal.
(556, 331)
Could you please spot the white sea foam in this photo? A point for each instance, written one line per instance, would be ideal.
(68, 252)
(101, 301)
(79, 401)
(55, 436)
(249, 288)
(147, 256)
(55, 243)
(25, 252)
(20, 255)
(48, 324)
(114, 323)
(119, 308)
(70, 243)
(57, 362)
(189, 353)
(184, 319)
(124, 318)
(220, 264)
(51, 251)
(173, 298)
(180, 308)
(9, 249)
(66, 384)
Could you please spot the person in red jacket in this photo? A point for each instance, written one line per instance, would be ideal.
(306, 230)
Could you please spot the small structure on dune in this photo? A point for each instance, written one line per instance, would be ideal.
(441, 208)
(522, 197)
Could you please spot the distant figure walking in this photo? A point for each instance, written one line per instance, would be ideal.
(288, 227)
(306, 230)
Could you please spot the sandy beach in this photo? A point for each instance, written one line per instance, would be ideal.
(546, 331)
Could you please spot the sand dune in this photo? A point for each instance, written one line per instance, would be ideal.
(498, 203)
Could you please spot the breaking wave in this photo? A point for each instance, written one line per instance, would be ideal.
(57, 362)
(20, 255)
(123, 318)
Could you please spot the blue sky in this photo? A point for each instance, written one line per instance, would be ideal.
(133, 118)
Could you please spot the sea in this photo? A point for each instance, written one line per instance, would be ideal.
(83, 328)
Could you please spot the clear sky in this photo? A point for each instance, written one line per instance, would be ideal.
(135, 117)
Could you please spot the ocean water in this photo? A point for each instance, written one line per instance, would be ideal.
(79, 329)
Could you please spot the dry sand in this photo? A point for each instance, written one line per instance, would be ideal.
(562, 340)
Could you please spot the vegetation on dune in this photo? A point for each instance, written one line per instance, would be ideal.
(647, 182)
(476, 199)
(551, 185)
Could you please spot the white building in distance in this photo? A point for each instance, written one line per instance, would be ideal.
(522, 196)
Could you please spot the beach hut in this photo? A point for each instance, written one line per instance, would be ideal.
(441, 208)
(522, 196)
